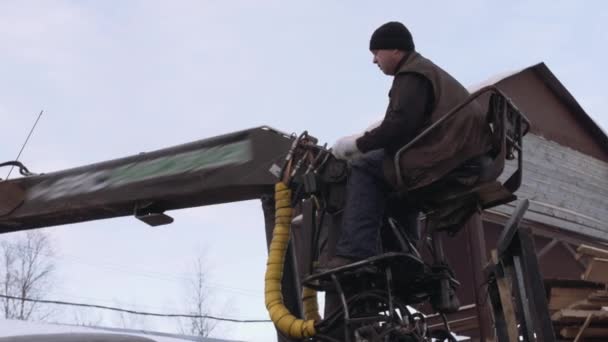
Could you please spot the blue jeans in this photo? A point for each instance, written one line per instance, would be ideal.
(366, 195)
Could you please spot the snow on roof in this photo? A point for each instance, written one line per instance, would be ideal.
(560, 91)
(493, 80)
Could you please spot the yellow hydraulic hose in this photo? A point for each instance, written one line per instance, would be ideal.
(287, 323)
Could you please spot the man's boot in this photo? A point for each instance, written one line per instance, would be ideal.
(335, 262)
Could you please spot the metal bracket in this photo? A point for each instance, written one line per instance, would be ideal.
(151, 215)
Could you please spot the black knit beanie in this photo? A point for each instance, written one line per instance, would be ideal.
(392, 35)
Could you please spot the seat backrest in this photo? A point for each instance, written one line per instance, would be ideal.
(494, 162)
(473, 185)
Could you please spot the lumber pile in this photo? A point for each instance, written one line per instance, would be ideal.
(579, 308)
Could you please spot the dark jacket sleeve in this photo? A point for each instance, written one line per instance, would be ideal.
(410, 105)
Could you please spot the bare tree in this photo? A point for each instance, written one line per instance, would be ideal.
(8, 262)
(25, 272)
(198, 302)
(85, 318)
(128, 320)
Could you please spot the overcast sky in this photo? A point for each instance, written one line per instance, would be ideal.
(116, 78)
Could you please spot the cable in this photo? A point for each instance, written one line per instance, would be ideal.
(44, 301)
(25, 143)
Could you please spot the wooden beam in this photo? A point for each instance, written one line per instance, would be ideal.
(582, 329)
(600, 297)
(573, 253)
(563, 297)
(478, 258)
(547, 248)
(597, 271)
(592, 251)
(571, 332)
(535, 289)
(585, 305)
(506, 300)
(578, 316)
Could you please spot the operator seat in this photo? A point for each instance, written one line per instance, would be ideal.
(399, 276)
(473, 186)
(466, 190)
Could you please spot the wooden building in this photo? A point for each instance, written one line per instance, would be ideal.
(566, 180)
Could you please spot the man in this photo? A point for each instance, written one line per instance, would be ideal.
(420, 95)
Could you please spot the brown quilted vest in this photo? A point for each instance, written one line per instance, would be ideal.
(463, 137)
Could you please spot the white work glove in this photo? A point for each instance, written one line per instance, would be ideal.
(346, 147)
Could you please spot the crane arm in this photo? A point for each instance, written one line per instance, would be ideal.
(233, 167)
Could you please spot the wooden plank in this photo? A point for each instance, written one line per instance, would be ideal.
(585, 305)
(464, 324)
(572, 252)
(592, 251)
(563, 297)
(582, 329)
(600, 293)
(564, 292)
(506, 300)
(538, 304)
(571, 332)
(597, 271)
(579, 316)
(598, 297)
